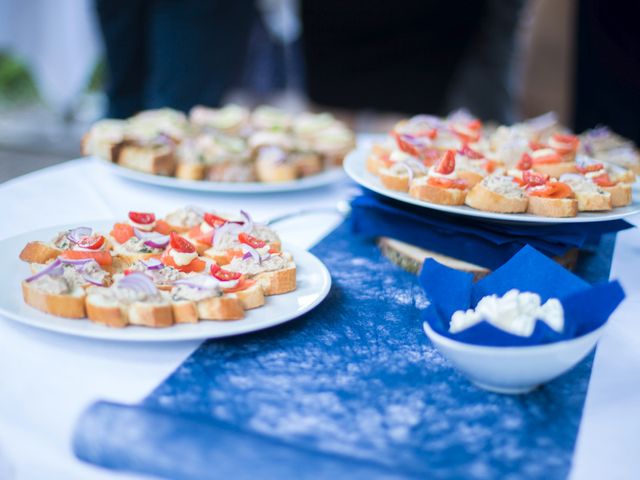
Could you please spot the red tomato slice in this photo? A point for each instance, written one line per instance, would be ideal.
(181, 244)
(564, 144)
(103, 257)
(243, 284)
(196, 265)
(163, 227)
(251, 241)
(547, 158)
(603, 180)
(91, 242)
(224, 275)
(447, 183)
(122, 232)
(525, 162)
(533, 145)
(142, 218)
(470, 152)
(533, 179)
(214, 220)
(431, 133)
(404, 144)
(447, 163)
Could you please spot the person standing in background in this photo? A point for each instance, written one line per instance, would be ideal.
(172, 53)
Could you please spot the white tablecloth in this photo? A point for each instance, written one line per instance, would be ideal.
(47, 379)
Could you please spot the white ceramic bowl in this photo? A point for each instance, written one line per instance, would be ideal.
(514, 370)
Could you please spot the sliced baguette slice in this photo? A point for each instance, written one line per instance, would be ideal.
(552, 207)
(68, 305)
(251, 297)
(306, 163)
(482, 198)
(555, 170)
(190, 171)
(268, 171)
(621, 194)
(594, 202)
(225, 307)
(472, 178)
(278, 281)
(158, 161)
(39, 252)
(394, 181)
(118, 315)
(421, 190)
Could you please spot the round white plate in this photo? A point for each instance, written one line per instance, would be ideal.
(321, 179)
(313, 281)
(355, 167)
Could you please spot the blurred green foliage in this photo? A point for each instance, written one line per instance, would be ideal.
(16, 84)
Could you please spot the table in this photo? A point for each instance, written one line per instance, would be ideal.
(49, 379)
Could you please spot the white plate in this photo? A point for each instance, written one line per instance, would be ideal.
(321, 179)
(355, 167)
(313, 281)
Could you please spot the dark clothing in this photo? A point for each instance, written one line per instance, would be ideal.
(172, 53)
(607, 76)
(410, 55)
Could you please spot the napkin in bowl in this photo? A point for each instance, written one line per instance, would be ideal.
(586, 307)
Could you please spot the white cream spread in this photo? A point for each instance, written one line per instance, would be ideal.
(226, 118)
(516, 312)
(582, 185)
(146, 227)
(503, 185)
(182, 258)
(186, 217)
(188, 293)
(115, 295)
(271, 138)
(136, 245)
(543, 152)
(400, 156)
(249, 266)
(61, 241)
(161, 276)
(266, 117)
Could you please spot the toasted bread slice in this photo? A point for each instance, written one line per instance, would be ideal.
(472, 178)
(251, 297)
(621, 194)
(278, 282)
(155, 160)
(39, 252)
(68, 305)
(555, 170)
(482, 197)
(552, 207)
(306, 163)
(268, 171)
(225, 307)
(594, 202)
(394, 181)
(421, 190)
(114, 314)
(190, 171)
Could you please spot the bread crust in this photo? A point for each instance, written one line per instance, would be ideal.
(443, 196)
(472, 178)
(593, 202)
(555, 170)
(39, 252)
(252, 297)
(277, 282)
(68, 306)
(552, 207)
(226, 307)
(151, 315)
(392, 181)
(621, 194)
(110, 316)
(307, 163)
(190, 171)
(158, 161)
(481, 198)
(267, 171)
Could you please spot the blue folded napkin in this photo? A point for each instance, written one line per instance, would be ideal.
(353, 389)
(586, 307)
(486, 244)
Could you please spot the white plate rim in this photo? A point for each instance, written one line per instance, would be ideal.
(306, 262)
(322, 179)
(354, 165)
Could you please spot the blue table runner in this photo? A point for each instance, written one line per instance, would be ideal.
(352, 390)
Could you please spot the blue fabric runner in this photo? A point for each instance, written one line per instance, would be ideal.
(351, 390)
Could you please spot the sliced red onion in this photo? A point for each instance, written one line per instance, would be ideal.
(76, 234)
(138, 282)
(247, 226)
(599, 132)
(407, 168)
(93, 281)
(200, 282)
(152, 263)
(159, 241)
(223, 230)
(430, 120)
(249, 251)
(54, 269)
(144, 235)
(76, 261)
